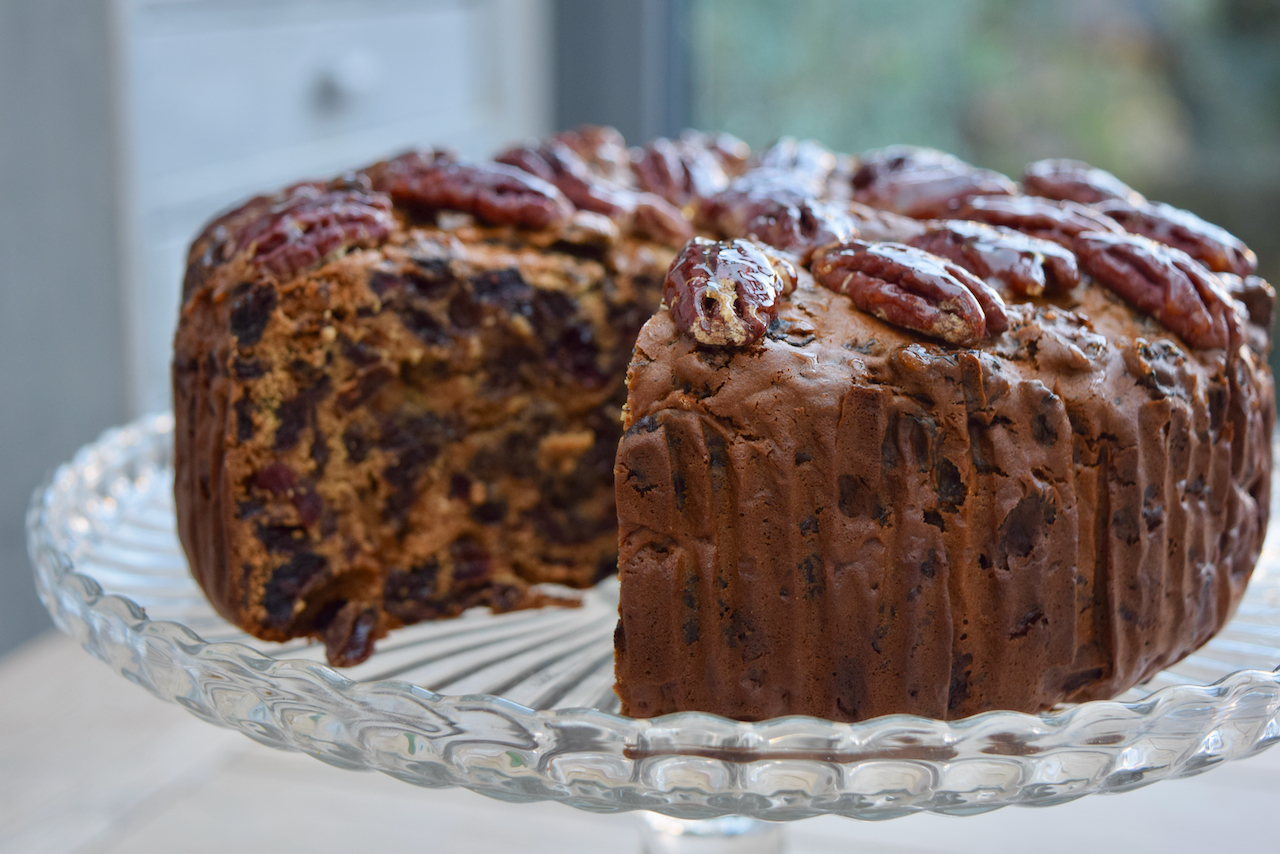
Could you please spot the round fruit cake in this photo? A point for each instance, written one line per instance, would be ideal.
(904, 435)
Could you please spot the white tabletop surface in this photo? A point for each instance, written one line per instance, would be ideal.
(90, 762)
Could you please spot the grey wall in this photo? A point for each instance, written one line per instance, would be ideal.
(623, 63)
(61, 348)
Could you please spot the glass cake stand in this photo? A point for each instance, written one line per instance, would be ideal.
(520, 706)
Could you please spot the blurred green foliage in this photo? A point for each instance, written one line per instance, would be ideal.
(1180, 98)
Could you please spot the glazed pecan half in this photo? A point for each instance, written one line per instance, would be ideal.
(1255, 294)
(693, 167)
(1164, 282)
(912, 289)
(678, 172)
(725, 293)
(808, 162)
(645, 214)
(311, 225)
(500, 195)
(921, 182)
(1075, 181)
(773, 207)
(1215, 247)
(1037, 217)
(1028, 266)
(883, 226)
(603, 149)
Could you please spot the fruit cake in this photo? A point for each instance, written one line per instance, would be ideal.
(923, 442)
(898, 434)
(397, 393)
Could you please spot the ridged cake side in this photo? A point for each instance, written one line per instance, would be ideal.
(846, 520)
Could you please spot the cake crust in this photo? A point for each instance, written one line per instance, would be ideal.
(847, 519)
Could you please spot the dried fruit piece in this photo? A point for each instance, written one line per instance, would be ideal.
(349, 636)
(497, 194)
(912, 289)
(725, 293)
(1075, 181)
(1026, 265)
(1164, 282)
(1042, 218)
(921, 182)
(645, 214)
(1215, 247)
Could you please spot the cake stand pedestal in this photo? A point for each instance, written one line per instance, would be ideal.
(520, 707)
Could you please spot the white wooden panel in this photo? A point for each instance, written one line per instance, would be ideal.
(225, 99)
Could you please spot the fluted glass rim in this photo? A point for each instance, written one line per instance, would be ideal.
(688, 764)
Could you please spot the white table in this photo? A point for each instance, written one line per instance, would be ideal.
(92, 763)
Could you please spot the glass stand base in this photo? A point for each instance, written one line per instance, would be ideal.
(730, 834)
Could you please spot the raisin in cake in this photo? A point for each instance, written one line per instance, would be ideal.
(910, 437)
(397, 394)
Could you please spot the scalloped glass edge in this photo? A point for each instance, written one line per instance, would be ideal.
(687, 765)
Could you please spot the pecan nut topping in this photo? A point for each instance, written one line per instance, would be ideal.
(921, 182)
(1215, 247)
(875, 225)
(693, 167)
(311, 225)
(1075, 181)
(725, 293)
(1164, 282)
(771, 206)
(603, 149)
(1037, 217)
(912, 289)
(1255, 294)
(808, 163)
(593, 190)
(1028, 266)
(678, 172)
(492, 192)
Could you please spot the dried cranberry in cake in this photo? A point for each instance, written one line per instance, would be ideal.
(497, 194)
(921, 182)
(1075, 181)
(1164, 282)
(1216, 248)
(912, 289)
(1042, 218)
(1026, 265)
(725, 294)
